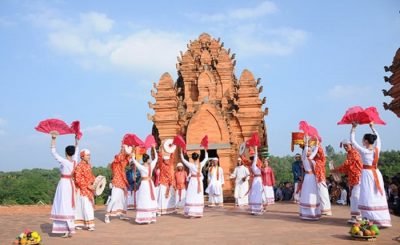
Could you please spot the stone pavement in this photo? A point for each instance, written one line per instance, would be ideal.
(228, 225)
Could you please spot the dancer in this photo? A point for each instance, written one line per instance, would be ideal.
(297, 170)
(84, 179)
(241, 174)
(166, 190)
(117, 205)
(372, 202)
(319, 169)
(146, 208)
(194, 196)
(215, 184)
(181, 185)
(256, 190)
(309, 200)
(352, 167)
(133, 177)
(63, 209)
(268, 181)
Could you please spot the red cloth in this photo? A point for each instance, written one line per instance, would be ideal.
(267, 176)
(352, 167)
(150, 141)
(76, 127)
(157, 177)
(132, 140)
(84, 178)
(179, 141)
(204, 142)
(357, 114)
(49, 125)
(320, 160)
(118, 171)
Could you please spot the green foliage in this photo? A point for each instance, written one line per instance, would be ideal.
(37, 186)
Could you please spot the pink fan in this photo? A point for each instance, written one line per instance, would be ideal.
(309, 130)
(132, 140)
(75, 126)
(358, 115)
(57, 126)
(254, 140)
(204, 142)
(179, 141)
(373, 114)
(150, 141)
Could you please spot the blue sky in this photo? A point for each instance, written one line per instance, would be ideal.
(95, 61)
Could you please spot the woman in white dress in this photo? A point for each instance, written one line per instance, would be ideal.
(372, 202)
(63, 209)
(256, 190)
(146, 207)
(194, 195)
(309, 201)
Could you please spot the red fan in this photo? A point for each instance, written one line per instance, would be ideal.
(75, 126)
(358, 115)
(57, 126)
(179, 141)
(204, 142)
(150, 141)
(254, 140)
(132, 140)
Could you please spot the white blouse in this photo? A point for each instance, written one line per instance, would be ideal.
(367, 155)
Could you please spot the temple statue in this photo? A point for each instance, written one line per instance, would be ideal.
(394, 80)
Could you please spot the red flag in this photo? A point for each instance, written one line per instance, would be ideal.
(179, 141)
(150, 141)
(204, 142)
(75, 126)
(54, 125)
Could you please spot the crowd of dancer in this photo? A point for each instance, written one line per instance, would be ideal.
(155, 185)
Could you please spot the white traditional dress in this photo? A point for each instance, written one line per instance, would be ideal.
(323, 193)
(214, 188)
(194, 195)
(372, 203)
(309, 200)
(241, 193)
(256, 190)
(146, 207)
(63, 209)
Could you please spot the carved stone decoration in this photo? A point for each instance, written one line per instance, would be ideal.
(394, 80)
(207, 99)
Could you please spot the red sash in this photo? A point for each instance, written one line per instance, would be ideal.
(373, 169)
(151, 186)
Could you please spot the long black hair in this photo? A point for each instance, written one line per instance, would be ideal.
(70, 150)
(195, 156)
(145, 157)
(370, 138)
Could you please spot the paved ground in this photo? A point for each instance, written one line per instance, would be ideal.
(228, 225)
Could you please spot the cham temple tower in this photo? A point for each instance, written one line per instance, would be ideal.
(208, 99)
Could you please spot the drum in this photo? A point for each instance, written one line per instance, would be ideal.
(169, 146)
(242, 148)
(99, 185)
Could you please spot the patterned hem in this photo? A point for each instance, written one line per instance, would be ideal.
(194, 214)
(62, 217)
(307, 205)
(145, 220)
(376, 208)
(116, 213)
(310, 217)
(194, 204)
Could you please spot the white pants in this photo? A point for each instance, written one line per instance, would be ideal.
(323, 195)
(84, 213)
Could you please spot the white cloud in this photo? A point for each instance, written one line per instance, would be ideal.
(98, 129)
(91, 42)
(347, 91)
(142, 50)
(264, 8)
(252, 40)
